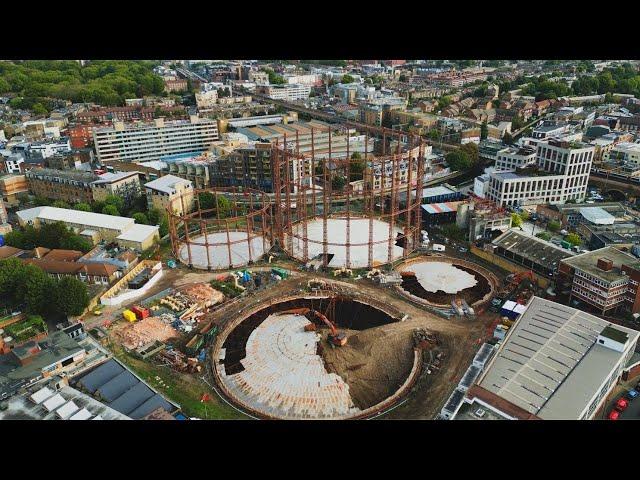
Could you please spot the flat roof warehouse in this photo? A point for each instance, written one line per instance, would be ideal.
(556, 363)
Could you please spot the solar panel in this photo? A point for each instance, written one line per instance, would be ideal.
(455, 400)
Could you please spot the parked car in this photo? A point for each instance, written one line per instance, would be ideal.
(621, 405)
(631, 395)
(613, 415)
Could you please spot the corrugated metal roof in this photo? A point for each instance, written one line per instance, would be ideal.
(149, 406)
(117, 386)
(101, 375)
(132, 398)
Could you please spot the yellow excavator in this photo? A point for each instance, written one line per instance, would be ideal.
(335, 337)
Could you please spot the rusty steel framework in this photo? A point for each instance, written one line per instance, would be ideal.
(379, 187)
(211, 238)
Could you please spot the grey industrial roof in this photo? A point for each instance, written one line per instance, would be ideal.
(166, 183)
(532, 248)
(123, 391)
(117, 386)
(130, 400)
(588, 262)
(138, 233)
(101, 375)
(550, 363)
(97, 220)
(597, 215)
(150, 405)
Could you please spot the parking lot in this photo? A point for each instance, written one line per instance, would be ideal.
(632, 412)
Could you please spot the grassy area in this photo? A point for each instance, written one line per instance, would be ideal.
(182, 388)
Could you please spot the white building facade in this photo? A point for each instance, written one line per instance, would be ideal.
(154, 141)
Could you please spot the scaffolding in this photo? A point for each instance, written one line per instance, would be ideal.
(361, 208)
(233, 229)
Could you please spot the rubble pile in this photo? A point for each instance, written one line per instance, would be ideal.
(143, 332)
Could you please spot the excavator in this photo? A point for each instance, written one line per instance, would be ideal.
(335, 337)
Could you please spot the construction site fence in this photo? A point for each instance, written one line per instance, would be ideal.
(507, 265)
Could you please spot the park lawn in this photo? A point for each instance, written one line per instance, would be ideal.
(184, 389)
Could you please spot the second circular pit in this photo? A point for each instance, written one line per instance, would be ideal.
(437, 281)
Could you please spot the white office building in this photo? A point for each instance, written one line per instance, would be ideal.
(515, 157)
(561, 173)
(287, 92)
(153, 141)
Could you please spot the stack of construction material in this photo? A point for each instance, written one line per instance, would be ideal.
(204, 294)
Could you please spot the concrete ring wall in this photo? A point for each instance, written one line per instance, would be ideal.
(207, 242)
(493, 280)
(374, 410)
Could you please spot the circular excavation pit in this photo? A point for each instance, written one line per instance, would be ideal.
(437, 281)
(271, 366)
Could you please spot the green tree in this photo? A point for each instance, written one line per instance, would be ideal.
(356, 168)
(458, 160)
(71, 297)
(471, 149)
(60, 204)
(207, 200)
(484, 131)
(338, 182)
(434, 134)
(524, 215)
(83, 207)
(544, 236)
(347, 79)
(141, 218)
(111, 210)
(553, 226)
(164, 226)
(574, 239)
(39, 109)
(116, 201)
(154, 215)
(516, 220)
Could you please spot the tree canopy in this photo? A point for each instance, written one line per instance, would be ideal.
(25, 285)
(458, 160)
(37, 83)
(53, 235)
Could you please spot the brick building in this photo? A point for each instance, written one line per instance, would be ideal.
(606, 280)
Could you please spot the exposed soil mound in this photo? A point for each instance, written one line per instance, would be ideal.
(374, 363)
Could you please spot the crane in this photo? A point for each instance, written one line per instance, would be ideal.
(335, 337)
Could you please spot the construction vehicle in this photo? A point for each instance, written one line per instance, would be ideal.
(335, 337)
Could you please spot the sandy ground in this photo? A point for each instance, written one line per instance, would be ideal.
(370, 382)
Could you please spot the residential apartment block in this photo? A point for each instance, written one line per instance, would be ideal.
(172, 192)
(71, 186)
(153, 141)
(123, 184)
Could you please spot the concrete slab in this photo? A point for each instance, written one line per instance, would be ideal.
(219, 250)
(434, 276)
(285, 378)
(337, 234)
